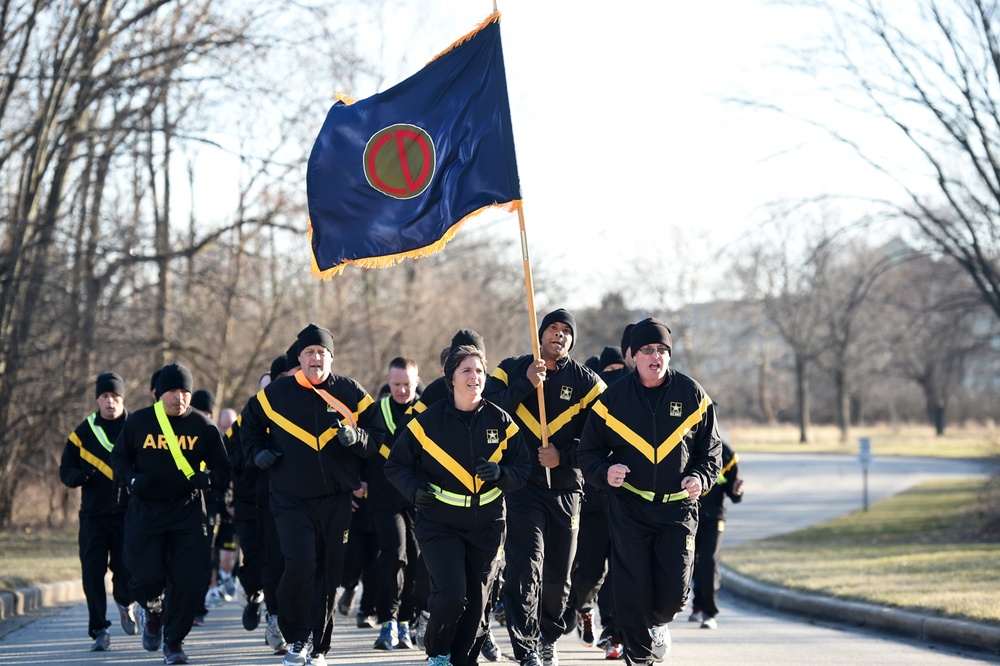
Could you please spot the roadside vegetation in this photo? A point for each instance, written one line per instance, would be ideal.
(903, 440)
(37, 555)
(933, 549)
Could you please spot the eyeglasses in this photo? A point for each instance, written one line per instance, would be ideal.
(649, 350)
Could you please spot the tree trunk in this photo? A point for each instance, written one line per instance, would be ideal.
(802, 396)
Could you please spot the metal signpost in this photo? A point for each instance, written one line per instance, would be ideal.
(865, 460)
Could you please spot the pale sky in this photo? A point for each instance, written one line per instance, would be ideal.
(630, 159)
(626, 150)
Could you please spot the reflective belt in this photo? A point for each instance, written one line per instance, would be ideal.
(387, 415)
(456, 499)
(175, 450)
(650, 496)
(99, 433)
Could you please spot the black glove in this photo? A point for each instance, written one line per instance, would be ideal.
(201, 480)
(488, 471)
(266, 458)
(347, 435)
(424, 497)
(76, 478)
(140, 484)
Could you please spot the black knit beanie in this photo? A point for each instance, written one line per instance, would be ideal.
(172, 377)
(291, 357)
(627, 340)
(314, 334)
(203, 401)
(109, 382)
(467, 336)
(647, 332)
(610, 355)
(562, 316)
(278, 366)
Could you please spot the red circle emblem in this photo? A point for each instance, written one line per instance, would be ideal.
(400, 161)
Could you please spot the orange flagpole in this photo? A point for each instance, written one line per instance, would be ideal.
(536, 349)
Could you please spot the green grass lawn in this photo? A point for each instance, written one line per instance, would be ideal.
(909, 440)
(922, 550)
(38, 555)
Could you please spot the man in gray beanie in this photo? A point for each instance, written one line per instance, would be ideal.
(86, 464)
(541, 548)
(653, 444)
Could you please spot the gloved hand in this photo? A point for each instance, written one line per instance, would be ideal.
(201, 480)
(488, 471)
(141, 484)
(347, 435)
(424, 497)
(266, 458)
(76, 478)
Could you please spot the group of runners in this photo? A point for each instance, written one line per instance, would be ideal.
(604, 468)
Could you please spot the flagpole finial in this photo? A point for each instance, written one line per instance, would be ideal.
(495, 6)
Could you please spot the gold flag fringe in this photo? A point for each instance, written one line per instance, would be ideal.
(393, 259)
(492, 18)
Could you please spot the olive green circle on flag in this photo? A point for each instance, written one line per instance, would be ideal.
(400, 161)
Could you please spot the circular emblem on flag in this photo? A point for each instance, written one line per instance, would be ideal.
(400, 161)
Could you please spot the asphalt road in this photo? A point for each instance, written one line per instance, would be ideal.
(783, 493)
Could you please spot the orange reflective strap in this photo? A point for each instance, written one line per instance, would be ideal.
(300, 377)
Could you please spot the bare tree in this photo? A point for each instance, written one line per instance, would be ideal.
(931, 69)
(935, 338)
(849, 341)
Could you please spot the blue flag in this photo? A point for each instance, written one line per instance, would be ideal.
(395, 175)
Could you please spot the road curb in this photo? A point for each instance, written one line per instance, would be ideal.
(906, 623)
(26, 599)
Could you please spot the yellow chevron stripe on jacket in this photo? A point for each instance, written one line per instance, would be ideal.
(101, 466)
(657, 454)
(445, 460)
(295, 431)
(531, 423)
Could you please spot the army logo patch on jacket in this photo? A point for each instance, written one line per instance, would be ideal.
(492, 436)
(566, 393)
(675, 409)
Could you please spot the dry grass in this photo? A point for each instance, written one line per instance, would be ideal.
(920, 550)
(909, 440)
(36, 555)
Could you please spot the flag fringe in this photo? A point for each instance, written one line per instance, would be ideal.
(492, 18)
(393, 259)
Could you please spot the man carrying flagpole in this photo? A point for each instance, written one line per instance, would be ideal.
(546, 510)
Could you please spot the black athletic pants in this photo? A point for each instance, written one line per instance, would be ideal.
(652, 555)
(251, 542)
(396, 567)
(540, 550)
(707, 549)
(102, 539)
(312, 533)
(461, 564)
(166, 553)
(593, 549)
(359, 564)
(274, 562)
